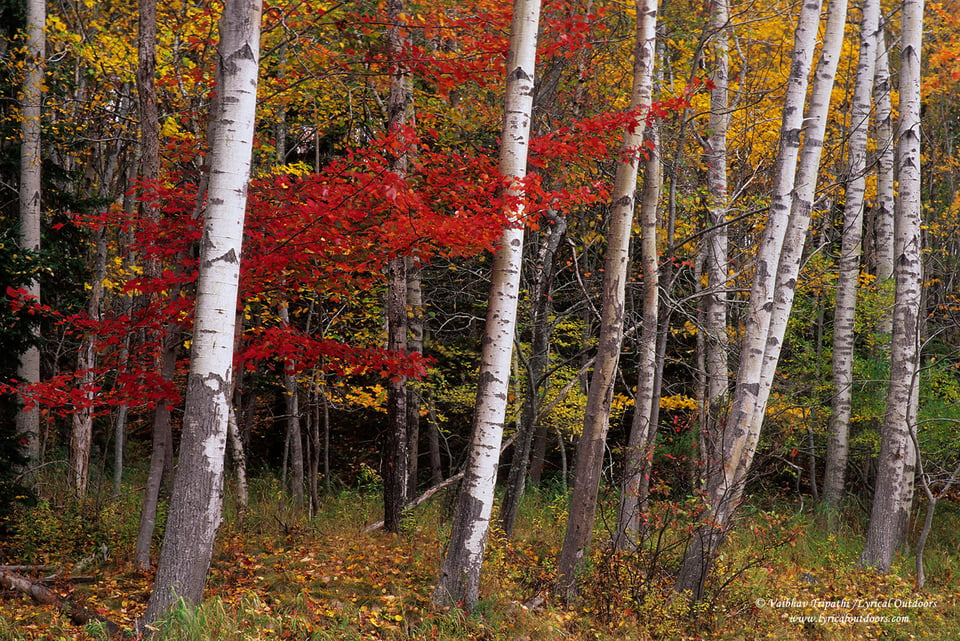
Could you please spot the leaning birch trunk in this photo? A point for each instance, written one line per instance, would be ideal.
(195, 508)
(894, 486)
(805, 184)
(632, 512)
(28, 370)
(459, 581)
(725, 474)
(849, 268)
(590, 446)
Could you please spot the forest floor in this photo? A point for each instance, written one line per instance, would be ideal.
(277, 575)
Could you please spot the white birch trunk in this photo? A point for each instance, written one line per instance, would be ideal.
(726, 474)
(590, 446)
(716, 341)
(884, 214)
(195, 508)
(849, 267)
(894, 487)
(459, 581)
(814, 126)
(631, 515)
(28, 371)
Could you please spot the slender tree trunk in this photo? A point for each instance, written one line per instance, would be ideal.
(195, 508)
(239, 461)
(397, 455)
(414, 345)
(459, 581)
(291, 400)
(433, 441)
(327, 482)
(169, 337)
(81, 436)
(28, 371)
(849, 268)
(894, 488)
(716, 341)
(726, 472)
(315, 451)
(590, 446)
(126, 239)
(632, 513)
(536, 370)
(884, 213)
(395, 479)
(159, 463)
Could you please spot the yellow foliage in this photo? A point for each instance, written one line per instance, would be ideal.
(678, 402)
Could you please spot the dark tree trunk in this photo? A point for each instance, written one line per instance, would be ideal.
(536, 370)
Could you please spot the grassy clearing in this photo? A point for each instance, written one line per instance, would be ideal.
(277, 575)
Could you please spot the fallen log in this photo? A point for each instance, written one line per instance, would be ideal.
(373, 527)
(42, 594)
(29, 568)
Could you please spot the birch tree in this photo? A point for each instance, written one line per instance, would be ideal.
(715, 340)
(28, 371)
(590, 446)
(459, 581)
(884, 211)
(849, 267)
(893, 492)
(196, 505)
(643, 429)
(726, 473)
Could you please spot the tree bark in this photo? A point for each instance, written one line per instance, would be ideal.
(536, 368)
(459, 581)
(631, 517)
(884, 213)
(395, 479)
(195, 508)
(895, 473)
(716, 341)
(590, 446)
(848, 275)
(414, 345)
(81, 436)
(28, 370)
(160, 457)
(397, 455)
(725, 471)
(291, 401)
